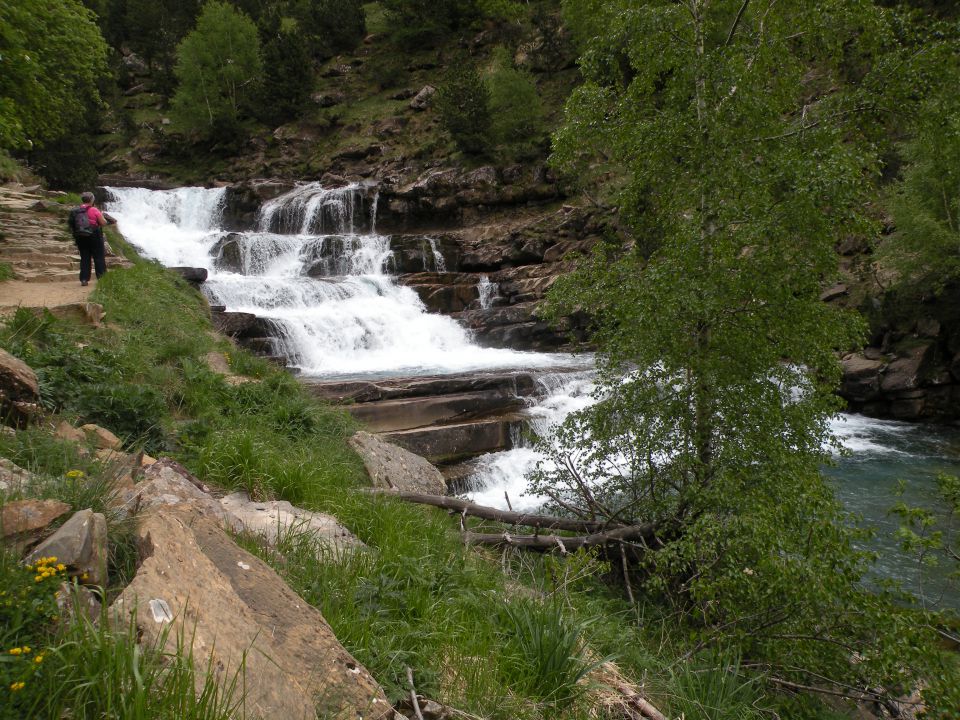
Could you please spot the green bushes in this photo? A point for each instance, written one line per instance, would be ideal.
(420, 22)
(219, 70)
(515, 108)
(500, 111)
(463, 102)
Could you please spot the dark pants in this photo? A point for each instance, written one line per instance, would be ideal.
(92, 249)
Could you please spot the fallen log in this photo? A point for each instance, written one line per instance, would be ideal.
(508, 517)
(645, 533)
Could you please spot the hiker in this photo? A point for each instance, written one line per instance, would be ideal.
(86, 223)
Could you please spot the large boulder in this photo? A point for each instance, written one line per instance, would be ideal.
(906, 372)
(394, 468)
(275, 520)
(239, 615)
(20, 517)
(19, 389)
(80, 544)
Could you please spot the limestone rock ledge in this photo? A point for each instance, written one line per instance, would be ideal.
(236, 611)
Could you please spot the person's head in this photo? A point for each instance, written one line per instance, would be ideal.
(87, 198)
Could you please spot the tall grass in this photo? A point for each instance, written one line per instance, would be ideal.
(95, 671)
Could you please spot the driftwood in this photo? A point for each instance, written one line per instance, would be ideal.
(619, 697)
(565, 543)
(508, 517)
(597, 532)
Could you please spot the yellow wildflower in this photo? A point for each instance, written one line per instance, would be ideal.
(16, 651)
(38, 659)
(16, 686)
(74, 474)
(61, 567)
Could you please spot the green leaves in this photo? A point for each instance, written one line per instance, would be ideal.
(219, 69)
(51, 58)
(736, 139)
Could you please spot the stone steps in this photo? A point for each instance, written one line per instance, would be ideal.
(449, 443)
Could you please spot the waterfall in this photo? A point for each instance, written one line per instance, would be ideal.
(439, 262)
(486, 292)
(316, 268)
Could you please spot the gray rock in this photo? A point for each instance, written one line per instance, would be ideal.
(80, 544)
(275, 520)
(905, 372)
(394, 468)
(167, 483)
(423, 99)
(13, 477)
(75, 600)
(238, 615)
(193, 275)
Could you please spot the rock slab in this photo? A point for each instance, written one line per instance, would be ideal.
(80, 544)
(394, 468)
(239, 613)
(275, 520)
(26, 516)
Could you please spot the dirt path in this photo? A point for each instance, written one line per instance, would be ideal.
(35, 243)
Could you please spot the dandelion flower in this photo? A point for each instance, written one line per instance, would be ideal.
(17, 686)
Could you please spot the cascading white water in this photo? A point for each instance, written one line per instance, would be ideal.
(486, 292)
(316, 268)
(439, 262)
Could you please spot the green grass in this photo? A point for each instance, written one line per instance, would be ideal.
(6, 271)
(510, 637)
(95, 670)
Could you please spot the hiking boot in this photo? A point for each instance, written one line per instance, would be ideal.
(83, 283)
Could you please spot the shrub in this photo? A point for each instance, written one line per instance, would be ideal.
(219, 70)
(463, 101)
(330, 26)
(515, 108)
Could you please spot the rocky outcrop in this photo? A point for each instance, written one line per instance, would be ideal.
(19, 390)
(914, 383)
(195, 583)
(450, 443)
(394, 468)
(911, 371)
(459, 196)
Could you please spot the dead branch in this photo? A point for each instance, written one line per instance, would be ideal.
(507, 517)
(646, 533)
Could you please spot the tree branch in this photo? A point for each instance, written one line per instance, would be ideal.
(545, 543)
(736, 22)
(508, 517)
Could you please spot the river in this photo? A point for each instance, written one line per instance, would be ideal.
(317, 268)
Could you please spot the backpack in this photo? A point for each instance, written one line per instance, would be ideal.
(80, 224)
